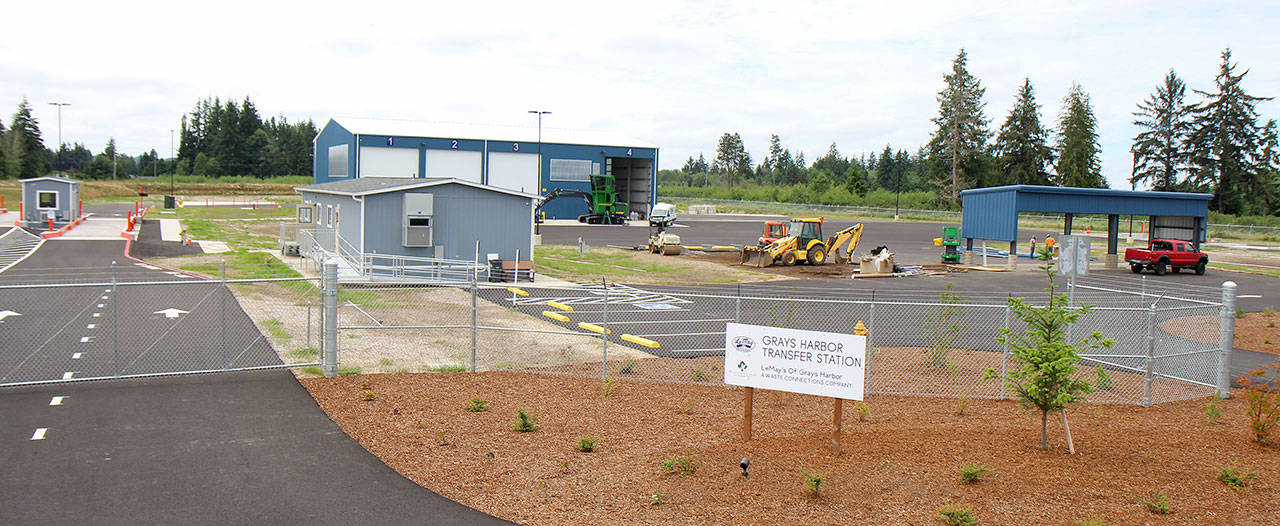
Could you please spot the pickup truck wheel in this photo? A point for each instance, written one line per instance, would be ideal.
(1200, 268)
(1137, 269)
(1160, 268)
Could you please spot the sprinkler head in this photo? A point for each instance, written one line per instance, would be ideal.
(745, 462)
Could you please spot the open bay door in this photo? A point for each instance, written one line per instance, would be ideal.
(633, 180)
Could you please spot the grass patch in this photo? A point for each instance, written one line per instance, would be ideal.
(586, 443)
(566, 262)
(346, 370)
(313, 369)
(275, 328)
(681, 464)
(445, 368)
(241, 264)
(1159, 504)
(971, 472)
(236, 234)
(304, 353)
(1275, 273)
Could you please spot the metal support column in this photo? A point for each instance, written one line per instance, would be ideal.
(222, 294)
(330, 318)
(1150, 358)
(1226, 337)
(115, 322)
(1066, 225)
(604, 335)
(475, 290)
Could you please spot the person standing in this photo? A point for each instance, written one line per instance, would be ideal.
(1033, 247)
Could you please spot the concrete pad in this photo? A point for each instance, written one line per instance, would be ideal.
(96, 228)
(213, 247)
(170, 230)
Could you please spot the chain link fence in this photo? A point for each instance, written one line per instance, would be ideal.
(103, 330)
(926, 344)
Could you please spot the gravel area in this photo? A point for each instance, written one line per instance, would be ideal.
(899, 466)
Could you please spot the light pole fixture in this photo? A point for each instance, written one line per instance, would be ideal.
(540, 113)
(59, 150)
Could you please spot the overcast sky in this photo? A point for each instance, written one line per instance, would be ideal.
(672, 73)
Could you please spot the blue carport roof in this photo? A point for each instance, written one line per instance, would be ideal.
(992, 213)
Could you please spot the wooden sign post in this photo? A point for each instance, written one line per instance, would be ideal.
(748, 393)
(837, 409)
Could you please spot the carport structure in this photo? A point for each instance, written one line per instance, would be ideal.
(991, 214)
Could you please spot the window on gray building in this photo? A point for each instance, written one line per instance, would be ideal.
(338, 161)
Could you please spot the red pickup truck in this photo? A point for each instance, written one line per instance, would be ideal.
(1165, 254)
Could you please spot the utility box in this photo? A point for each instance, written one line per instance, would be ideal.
(418, 215)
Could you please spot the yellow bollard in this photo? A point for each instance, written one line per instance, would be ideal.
(593, 327)
(555, 315)
(560, 306)
(517, 291)
(640, 341)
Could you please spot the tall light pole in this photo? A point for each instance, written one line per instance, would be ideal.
(539, 113)
(59, 150)
(171, 170)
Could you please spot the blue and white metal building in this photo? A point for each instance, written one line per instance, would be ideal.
(991, 214)
(513, 158)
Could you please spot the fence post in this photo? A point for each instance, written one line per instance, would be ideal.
(330, 318)
(115, 322)
(1150, 359)
(474, 292)
(1004, 357)
(223, 318)
(1226, 337)
(604, 336)
(871, 324)
(737, 305)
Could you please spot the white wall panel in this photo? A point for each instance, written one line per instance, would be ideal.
(514, 171)
(457, 164)
(377, 161)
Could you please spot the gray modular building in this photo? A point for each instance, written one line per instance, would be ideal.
(439, 218)
(524, 159)
(43, 197)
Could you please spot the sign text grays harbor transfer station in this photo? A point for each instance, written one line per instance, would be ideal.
(809, 362)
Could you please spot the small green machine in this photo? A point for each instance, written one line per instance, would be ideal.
(604, 205)
(950, 242)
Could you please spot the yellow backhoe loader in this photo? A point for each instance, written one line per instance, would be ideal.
(804, 244)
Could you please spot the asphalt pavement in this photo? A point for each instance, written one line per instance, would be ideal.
(226, 448)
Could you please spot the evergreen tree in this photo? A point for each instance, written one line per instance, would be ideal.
(834, 163)
(27, 156)
(1224, 140)
(4, 148)
(886, 172)
(1023, 155)
(1268, 172)
(856, 180)
(731, 158)
(774, 161)
(961, 137)
(1078, 147)
(1159, 155)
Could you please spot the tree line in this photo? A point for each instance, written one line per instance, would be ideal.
(218, 139)
(229, 139)
(1214, 145)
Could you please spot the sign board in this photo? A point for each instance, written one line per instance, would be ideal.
(808, 362)
(1073, 255)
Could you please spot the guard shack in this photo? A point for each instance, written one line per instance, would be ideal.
(50, 197)
(991, 214)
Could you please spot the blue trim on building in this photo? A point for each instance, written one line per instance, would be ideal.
(992, 213)
(333, 133)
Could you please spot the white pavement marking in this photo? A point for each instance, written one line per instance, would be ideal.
(6, 313)
(213, 247)
(100, 305)
(171, 312)
(97, 315)
(39, 434)
(90, 326)
(146, 266)
(67, 375)
(1249, 296)
(86, 339)
(76, 356)
(170, 230)
(106, 297)
(57, 400)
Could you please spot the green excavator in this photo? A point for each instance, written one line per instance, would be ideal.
(603, 206)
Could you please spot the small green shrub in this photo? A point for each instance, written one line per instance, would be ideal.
(422, 424)
(680, 464)
(861, 409)
(586, 443)
(525, 422)
(657, 499)
(1093, 520)
(1233, 476)
(1239, 312)
(1271, 324)
(698, 374)
(442, 438)
(962, 404)
(304, 353)
(478, 405)
(311, 369)
(1212, 410)
(1159, 504)
(1269, 310)
(347, 370)
(1102, 379)
(956, 516)
(812, 482)
(370, 396)
(607, 386)
(971, 472)
(488, 454)
(386, 362)
(446, 368)
(628, 366)
(686, 407)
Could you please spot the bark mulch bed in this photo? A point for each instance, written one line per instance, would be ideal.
(899, 466)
